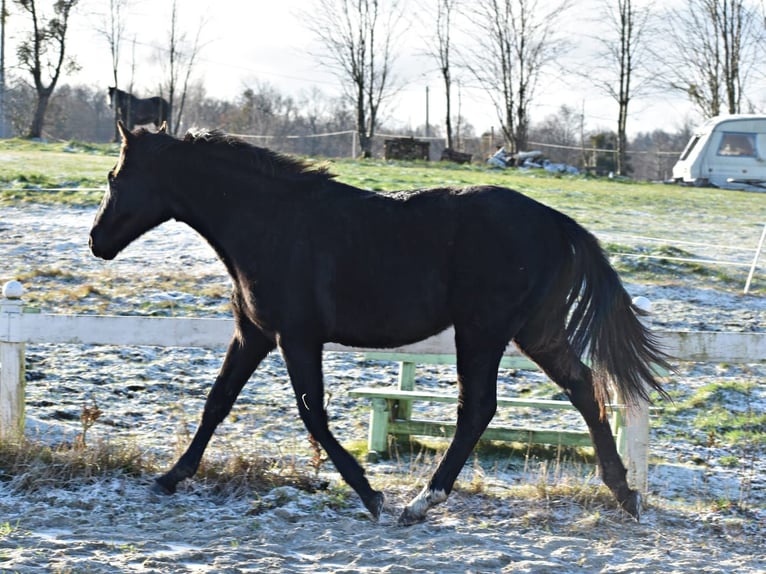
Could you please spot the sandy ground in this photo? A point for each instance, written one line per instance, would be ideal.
(116, 526)
(701, 516)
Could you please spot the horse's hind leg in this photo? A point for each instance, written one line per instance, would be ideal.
(245, 352)
(304, 365)
(556, 358)
(477, 365)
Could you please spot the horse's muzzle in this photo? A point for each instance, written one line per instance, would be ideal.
(98, 248)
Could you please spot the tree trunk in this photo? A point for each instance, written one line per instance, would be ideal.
(36, 129)
(448, 119)
(622, 139)
(365, 141)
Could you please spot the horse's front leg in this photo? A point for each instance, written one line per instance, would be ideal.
(304, 365)
(246, 350)
(477, 402)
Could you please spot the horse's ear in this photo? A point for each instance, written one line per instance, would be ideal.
(124, 132)
(163, 128)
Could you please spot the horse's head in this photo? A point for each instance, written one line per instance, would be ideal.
(112, 93)
(133, 203)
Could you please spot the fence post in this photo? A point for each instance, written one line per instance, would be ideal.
(636, 421)
(11, 363)
(755, 260)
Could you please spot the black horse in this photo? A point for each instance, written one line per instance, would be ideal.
(135, 111)
(314, 260)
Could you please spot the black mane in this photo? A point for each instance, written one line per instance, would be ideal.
(265, 161)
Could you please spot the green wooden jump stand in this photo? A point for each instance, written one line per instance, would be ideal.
(391, 412)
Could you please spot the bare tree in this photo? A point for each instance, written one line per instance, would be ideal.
(42, 53)
(516, 39)
(3, 110)
(714, 45)
(563, 131)
(622, 56)
(358, 36)
(440, 48)
(182, 57)
(112, 28)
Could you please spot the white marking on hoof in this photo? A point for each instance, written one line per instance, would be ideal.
(427, 498)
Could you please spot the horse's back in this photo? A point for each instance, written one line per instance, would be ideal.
(408, 265)
(509, 252)
(384, 265)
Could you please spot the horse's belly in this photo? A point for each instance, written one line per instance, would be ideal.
(387, 336)
(390, 319)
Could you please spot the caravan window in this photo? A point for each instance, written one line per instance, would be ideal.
(690, 147)
(737, 144)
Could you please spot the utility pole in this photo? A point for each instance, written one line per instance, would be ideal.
(3, 16)
(428, 124)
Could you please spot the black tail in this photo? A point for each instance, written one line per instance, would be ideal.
(605, 326)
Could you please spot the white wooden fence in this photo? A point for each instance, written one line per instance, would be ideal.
(18, 329)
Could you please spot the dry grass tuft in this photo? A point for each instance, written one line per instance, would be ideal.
(241, 475)
(31, 466)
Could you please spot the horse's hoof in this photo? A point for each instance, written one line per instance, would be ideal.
(159, 488)
(632, 505)
(408, 518)
(375, 504)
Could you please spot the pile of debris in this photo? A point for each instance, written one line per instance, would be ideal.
(529, 160)
(408, 149)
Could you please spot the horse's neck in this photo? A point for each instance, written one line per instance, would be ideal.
(218, 214)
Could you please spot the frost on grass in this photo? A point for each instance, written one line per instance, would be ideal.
(265, 500)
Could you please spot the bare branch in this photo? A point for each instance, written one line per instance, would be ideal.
(359, 38)
(516, 41)
(181, 59)
(712, 48)
(42, 53)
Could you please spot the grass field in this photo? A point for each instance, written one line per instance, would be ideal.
(27, 167)
(633, 218)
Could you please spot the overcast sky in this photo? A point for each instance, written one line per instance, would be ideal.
(251, 41)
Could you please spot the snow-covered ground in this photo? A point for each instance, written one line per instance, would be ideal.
(153, 397)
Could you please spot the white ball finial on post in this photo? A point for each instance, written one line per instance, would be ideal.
(643, 303)
(13, 290)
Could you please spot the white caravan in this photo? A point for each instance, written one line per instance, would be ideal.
(727, 152)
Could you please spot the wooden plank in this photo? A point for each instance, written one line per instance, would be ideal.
(699, 346)
(440, 344)
(713, 346)
(108, 330)
(512, 361)
(533, 436)
(395, 394)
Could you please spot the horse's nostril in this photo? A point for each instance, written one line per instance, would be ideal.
(94, 246)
